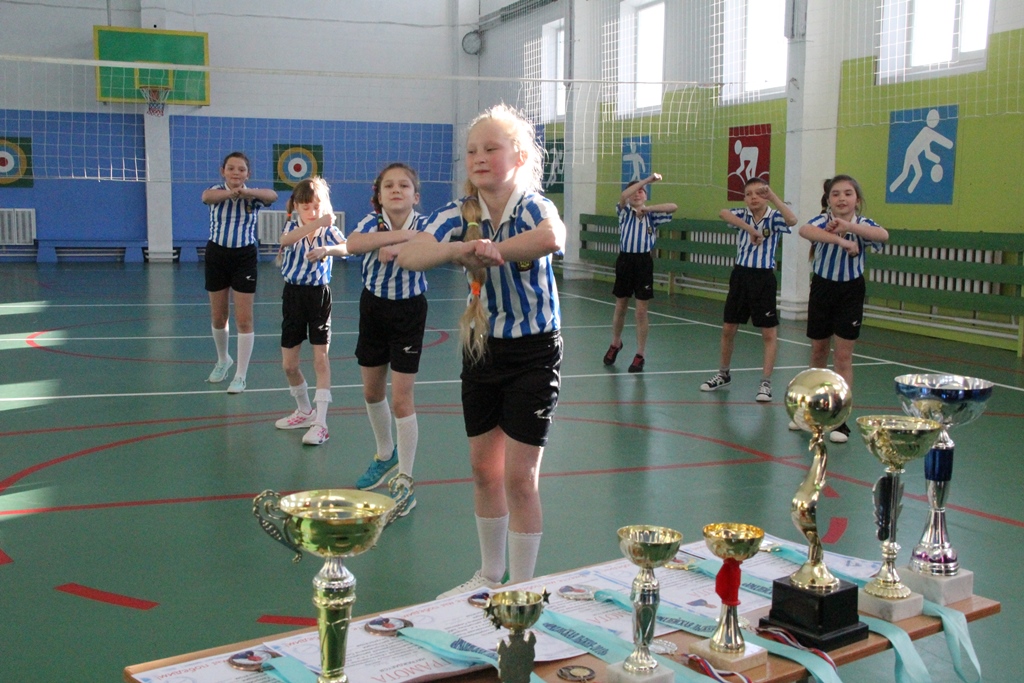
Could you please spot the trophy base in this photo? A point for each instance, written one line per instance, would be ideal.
(821, 620)
(891, 609)
(750, 657)
(940, 589)
(616, 673)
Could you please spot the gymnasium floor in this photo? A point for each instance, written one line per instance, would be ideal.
(126, 531)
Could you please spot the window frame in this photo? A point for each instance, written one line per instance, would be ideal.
(552, 60)
(629, 11)
(734, 69)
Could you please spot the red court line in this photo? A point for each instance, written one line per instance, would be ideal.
(836, 529)
(5, 558)
(286, 621)
(103, 596)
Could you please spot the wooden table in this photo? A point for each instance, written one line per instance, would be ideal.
(778, 669)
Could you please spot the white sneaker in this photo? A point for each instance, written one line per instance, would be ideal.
(764, 392)
(220, 371)
(296, 420)
(840, 434)
(793, 426)
(237, 385)
(316, 435)
(477, 581)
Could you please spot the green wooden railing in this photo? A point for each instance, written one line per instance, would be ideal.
(913, 278)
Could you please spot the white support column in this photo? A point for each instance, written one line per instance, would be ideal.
(158, 189)
(814, 67)
(581, 119)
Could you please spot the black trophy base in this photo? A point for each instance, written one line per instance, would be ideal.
(821, 620)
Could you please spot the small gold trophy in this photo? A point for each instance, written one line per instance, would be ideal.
(726, 648)
(895, 441)
(648, 547)
(812, 604)
(332, 524)
(517, 611)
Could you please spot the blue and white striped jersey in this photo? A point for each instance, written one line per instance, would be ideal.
(763, 255)
(637, 233)
(831, 262)
(294, 266)
(233, 221)
(387, 280)
(521, 298)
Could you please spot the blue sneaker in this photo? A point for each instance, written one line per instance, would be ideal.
(409, 506)
(377, 472)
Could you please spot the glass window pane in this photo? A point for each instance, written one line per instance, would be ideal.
(974, 25)
(650, 51)
(932, 38)
(766, 45)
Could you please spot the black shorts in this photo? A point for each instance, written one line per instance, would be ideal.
(634, 276)
(514, 387)
(306, 313)
(751, 295)
(835, 308)
(391, 331)
(234, 268)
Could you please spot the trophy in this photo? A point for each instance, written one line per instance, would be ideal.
(647, 547)
(516, 611)
(726, 649)
(895, 441)
(950, 400)
(333, 524)
(812, 604)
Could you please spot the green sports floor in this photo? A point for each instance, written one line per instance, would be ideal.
(126, 481)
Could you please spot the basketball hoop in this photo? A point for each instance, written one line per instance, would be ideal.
(156, 98)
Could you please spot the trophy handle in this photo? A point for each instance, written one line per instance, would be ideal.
(401, 487)
(266, 509)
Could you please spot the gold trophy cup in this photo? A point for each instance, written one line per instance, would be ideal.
(726, 649)
(812, 604)
(517, 611)
(895, 441)
(648, 547)
(332, 524)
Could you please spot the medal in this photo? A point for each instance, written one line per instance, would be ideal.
(252, 660)
(576, 673)
(577, 592)
(386, 626)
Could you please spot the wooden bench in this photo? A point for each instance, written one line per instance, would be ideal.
(960, 286)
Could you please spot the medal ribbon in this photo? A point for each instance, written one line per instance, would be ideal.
(954, 626)
(705, 627)
(727, 582)
(287, 669)
(453, 649)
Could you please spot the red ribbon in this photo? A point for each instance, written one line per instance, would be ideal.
(727, 583)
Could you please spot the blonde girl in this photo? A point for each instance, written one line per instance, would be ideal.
(512, 355)
(231, 262)
(308, 244)
(392, 319)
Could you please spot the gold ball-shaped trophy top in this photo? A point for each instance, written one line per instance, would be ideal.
(730, 540)
(335, 522)
(818, 398)
(515, 610)
(897, 439)
(649, 546)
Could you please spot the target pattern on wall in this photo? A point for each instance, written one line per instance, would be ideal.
(294, 163)
(15, 162)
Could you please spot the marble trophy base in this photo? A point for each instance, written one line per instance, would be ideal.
(940, 589)
(616, 673)
(750, 657)
(890, 609)
(821, 620)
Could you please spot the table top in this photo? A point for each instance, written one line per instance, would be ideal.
(777, 670)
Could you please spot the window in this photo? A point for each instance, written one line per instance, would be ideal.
(641, 55)
(754, 48)
(949, 35)
(552, 59)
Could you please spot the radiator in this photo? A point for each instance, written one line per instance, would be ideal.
(713, 238)
(271, 224)
(938, 282)
(17, 226)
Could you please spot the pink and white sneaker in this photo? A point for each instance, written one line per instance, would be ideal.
(316, 435)
(296, 420)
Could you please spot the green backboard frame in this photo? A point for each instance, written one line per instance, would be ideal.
(120, 44)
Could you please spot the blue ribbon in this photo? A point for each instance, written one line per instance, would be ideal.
(704, 627)
(453, 649)
(954, 625)
(287, 669)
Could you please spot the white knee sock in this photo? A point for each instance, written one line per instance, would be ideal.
(408, 437)
(301, 394)
(380, 420)
(322, 398)
(493, 534)
(245, 343)
(220, 339)
(522, 555)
